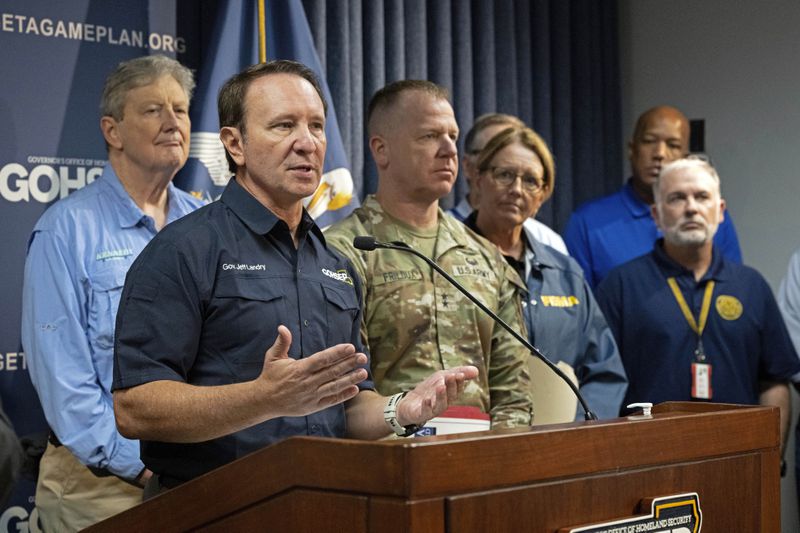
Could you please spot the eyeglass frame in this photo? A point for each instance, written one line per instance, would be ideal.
(540, 184)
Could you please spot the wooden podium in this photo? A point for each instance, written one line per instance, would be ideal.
(529, 479)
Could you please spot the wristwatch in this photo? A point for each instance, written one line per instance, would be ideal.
(390, 415)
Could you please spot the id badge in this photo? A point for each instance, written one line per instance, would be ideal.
(701, 381)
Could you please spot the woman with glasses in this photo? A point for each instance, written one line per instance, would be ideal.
(516, 176)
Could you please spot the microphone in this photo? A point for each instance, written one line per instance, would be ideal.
(368, 244)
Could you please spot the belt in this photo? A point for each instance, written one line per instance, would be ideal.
(167, 482)
(52, 439)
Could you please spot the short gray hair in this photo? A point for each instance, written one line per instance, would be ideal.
(139, 72)
(691, 162)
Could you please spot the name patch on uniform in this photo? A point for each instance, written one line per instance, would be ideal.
(560, 301)
(340, 275)
(729, 307)
(402, 275)
(469, 270)
(242, 266)
(106, 255)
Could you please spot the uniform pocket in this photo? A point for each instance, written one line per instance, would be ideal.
(106, 288)
(341, 308)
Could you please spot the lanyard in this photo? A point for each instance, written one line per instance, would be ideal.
(687, 313)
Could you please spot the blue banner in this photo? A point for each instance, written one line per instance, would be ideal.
(55, 57)
(234, 46)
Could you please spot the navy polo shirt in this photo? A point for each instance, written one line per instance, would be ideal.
(202, 304)
(745, 339)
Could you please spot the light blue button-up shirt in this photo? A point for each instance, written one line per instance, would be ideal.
(78, 255)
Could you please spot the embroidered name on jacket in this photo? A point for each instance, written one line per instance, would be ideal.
(560, 301)
(242, 266)
(113, 254)
(340, 275)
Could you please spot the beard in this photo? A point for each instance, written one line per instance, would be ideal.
(690, 237)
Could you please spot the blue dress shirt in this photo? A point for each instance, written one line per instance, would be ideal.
(78, 255)
(612, 230)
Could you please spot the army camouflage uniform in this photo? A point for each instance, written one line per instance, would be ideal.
(415, 322)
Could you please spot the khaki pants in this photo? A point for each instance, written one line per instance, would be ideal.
(69, 497)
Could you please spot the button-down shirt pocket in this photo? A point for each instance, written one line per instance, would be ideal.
(341, 310)
(246, 305)
(106, 284)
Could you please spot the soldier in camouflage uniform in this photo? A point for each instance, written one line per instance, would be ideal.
(414, 321)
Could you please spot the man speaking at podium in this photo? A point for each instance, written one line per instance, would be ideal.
(246, 275)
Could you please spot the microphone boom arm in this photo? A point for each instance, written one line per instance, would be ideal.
(369, 243)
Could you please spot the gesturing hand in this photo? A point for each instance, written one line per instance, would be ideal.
(432, 396)
(298, 387)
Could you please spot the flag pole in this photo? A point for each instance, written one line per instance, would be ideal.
(262, 33)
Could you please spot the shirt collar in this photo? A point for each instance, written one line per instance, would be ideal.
(129, 213)
(528, 258)
(463, 209)
(258, 218)
(542, 253)
(637, 207)
(716, 271)
(450, 232)
(533, 248)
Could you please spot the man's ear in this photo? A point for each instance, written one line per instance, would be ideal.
(722, 207)
(654, 214)
(380, 150)
(233, 142)
(110, 129)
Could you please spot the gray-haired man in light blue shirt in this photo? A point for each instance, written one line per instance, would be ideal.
(78, 255)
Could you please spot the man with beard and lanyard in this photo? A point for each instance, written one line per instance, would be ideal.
(690, 324)
(78, 256)
(609, 231)
(238, 327)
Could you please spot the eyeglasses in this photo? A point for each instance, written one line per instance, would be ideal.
(507, 176)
